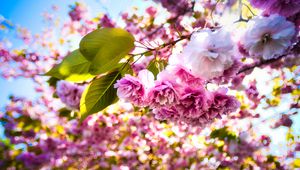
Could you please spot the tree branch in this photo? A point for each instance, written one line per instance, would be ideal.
(261, 63)
(172, 19)
(163, 45)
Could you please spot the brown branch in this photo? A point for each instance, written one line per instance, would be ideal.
(153, 32)
(261, 63)
(163, 45)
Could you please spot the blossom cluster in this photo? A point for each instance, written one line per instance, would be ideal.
(179, 93)
(211, 55)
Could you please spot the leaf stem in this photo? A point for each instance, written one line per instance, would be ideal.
(261, 63)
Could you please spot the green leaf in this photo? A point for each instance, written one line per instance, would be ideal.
(73, 68)
(105, 48)
(99, 94)
(153, 67)
(52, 81)
(112, 65)
(64, 112)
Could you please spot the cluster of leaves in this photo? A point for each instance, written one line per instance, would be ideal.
(99, 55)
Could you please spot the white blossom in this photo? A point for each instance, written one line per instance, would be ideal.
(268, 37)
(207, 54)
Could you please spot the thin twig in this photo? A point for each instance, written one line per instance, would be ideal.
(163, 45)
(170, 20)
(249, 9)
(212, 11)
(261, 63)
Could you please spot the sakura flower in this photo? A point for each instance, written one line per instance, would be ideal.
(285, 120)
(297, 148)
(268, 37)
(130, 89)
(183, 76)
(229, 73)
(163, 93)
(106, 22)
(133, 89)
(69, 93)
(78, 12)
(193, 103)
(265, 140)
(151, 11)
(166, 113)
(208, 53)
(179, 7)
(222, 104)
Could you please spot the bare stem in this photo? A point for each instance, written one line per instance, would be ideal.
(261, 63)
(163, 45)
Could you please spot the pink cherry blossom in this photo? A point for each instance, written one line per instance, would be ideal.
(222, 104)
(268, 37)
(208, 53)
(193, 103)
(69, 93)
(131, 89)
(163, 94)
(134, 89)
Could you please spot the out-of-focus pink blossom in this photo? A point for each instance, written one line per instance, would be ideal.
(252, 92)
(33, 161)
(78, 12)
(69, 93)
(265, 140)
(179, 7)
(297, 148)
(284, 121)
(151, 11)
(106, 22)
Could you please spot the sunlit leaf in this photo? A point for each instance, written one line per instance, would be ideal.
(153, 67)
(99, 94)
(73, 68)
(105, 48)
